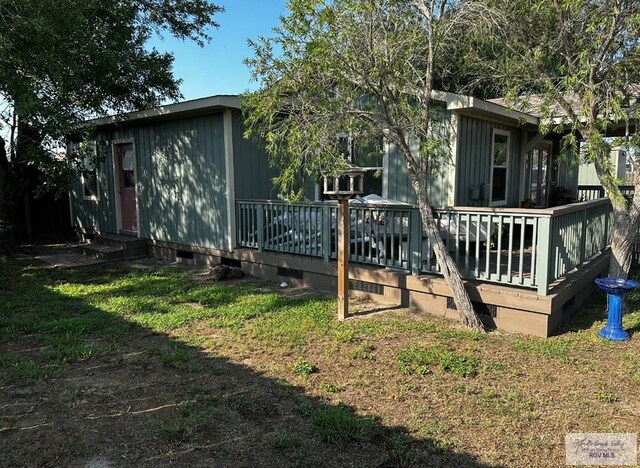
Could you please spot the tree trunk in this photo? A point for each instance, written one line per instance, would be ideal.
(8, 244)
(626, 215)
(13, 180)
(625, 228)
(449, 268)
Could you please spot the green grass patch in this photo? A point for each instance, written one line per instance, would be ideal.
(399, 446)
(547, 347)
(289, 323)
(331, 388)
(345, 335)
(340, 424)
(510, 402)
(364, 351)
(241, 403)
(605, 397)
(287, 441)
(173, 354)
(369, 328)
(631, 365)
(67, 348)
(415, 360)
(108, 303)
(13, 368)
(191, 417)
(303, 368)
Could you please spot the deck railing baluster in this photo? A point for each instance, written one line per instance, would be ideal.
(487, 274)
(499, 251)
(392, 238)
(523, 228)
(478, 223)
(457, 239)
(260, 223)
(467, 237)
(534, 250)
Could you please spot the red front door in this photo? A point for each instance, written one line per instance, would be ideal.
(127, 181)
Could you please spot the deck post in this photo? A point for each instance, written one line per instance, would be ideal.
(415, 229)
(544, 252)
(583, 236)
(607, 218)
(326, 234)
(260, 225)
(343, 259)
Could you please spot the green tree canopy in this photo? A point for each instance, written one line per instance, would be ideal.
(63, 61)
(365, 68)
(576, 63)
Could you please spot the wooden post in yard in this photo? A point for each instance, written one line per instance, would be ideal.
(343, 259)
(352, 185)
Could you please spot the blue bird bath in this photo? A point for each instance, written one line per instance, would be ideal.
(616, 289)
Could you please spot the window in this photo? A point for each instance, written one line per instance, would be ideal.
(499, 164)
(128, 171)
(89, 178)
(367, 155)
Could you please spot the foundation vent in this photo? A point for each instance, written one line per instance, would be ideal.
(232, 262)
(363, 286)
(184, 254)
(487, 310)
(290, 273)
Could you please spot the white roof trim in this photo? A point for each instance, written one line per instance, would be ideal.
(459, 102)
(226, 102)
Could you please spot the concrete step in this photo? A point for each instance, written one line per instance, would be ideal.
(115, 247)
(104, 252)
(115, 240)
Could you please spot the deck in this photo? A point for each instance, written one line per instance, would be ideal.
(529, 248)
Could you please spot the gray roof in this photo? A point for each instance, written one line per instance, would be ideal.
(186, 108)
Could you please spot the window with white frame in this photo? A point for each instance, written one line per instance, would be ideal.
(367, 155)
(89, 176)
(499, 167)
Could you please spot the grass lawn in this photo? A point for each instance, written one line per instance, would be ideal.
(147, 365)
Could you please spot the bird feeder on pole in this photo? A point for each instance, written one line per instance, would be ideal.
(342, 188)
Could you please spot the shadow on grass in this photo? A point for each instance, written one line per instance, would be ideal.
(375, 310)
(83, 383)
(590, 313)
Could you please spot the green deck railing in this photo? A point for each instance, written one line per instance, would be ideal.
(496, 245)
(593, 192)
(531, 248)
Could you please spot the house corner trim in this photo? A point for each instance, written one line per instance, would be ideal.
(230, 186)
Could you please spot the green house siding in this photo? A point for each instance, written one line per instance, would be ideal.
(473, 170)
(96, 214)
(587, 172)
(396, 185)
(181, 182)
(397, 182)
(567, 174)
(252, 174)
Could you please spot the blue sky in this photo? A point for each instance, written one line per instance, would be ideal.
(217, 68)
